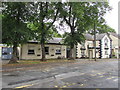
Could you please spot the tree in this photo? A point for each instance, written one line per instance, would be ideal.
(54, 33)
(70, 13)
(44, 15)
(80, 16)
(14, 28)
(99, 10)
(102, 29)
(105, 29)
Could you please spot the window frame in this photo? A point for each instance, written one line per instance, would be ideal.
(106, 52)
(47, 53)
(31, 53)
(59, 51)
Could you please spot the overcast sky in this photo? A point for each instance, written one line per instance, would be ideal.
(112, 16)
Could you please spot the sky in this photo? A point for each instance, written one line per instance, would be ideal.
(112, 16)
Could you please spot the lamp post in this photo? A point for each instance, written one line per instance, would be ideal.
(95, 39)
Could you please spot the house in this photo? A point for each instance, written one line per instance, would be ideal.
(103, 47)
(115, 44)
(53, 49)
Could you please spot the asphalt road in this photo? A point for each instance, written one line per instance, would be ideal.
(79, 74)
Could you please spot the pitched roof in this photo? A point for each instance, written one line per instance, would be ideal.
(115, 34)
(54, 40)
(91, 37)
(100, 36)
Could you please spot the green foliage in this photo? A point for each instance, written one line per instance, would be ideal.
(102, 29)
(80, 17)
(1, 16)
(72, 13)
(14, 28)
(54, 33)
(33, 26)
(105, 29)
(42, 17)
(72, 40)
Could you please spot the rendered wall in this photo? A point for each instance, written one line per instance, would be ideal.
(38, 53)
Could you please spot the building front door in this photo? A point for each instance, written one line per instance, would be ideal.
(90, 54)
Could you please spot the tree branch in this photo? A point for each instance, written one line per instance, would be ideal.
(67, 21)
(70, 13)
(73, 20)
(53, 19)
(46, 7)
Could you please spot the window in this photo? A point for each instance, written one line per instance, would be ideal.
(46, 50)
(31, 51)
(82, 53)
(4, 53)
(106, 52)
(4, 49)
(58, 51)
(106, 40)
(106, 43)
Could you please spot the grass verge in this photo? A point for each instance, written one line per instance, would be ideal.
(31, 62)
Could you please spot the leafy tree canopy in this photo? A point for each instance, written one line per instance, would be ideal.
(14, 28)
(13, 23)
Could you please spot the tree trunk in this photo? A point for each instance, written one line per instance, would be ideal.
(14, 55)
(71, 53)
(43, 52)
(72, 44)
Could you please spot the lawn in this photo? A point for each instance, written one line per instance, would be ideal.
(31, 62)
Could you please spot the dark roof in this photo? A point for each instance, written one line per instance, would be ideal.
(88, 37)
(54, 40)
(98, 36)
(115, 34)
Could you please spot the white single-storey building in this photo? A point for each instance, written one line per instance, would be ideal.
(53, 49)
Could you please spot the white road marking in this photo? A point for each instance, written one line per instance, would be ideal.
(115, 80)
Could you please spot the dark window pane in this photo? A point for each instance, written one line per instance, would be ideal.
(31, 52)
(46, 50)
(58, 51)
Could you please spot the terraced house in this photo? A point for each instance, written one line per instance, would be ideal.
(115, 44)
(103, 47)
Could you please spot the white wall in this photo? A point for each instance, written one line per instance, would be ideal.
(103, 47)
(37, 48)
(0, 52)
(91, 44)
(115, 45)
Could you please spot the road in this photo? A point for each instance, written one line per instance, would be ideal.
(79, 74)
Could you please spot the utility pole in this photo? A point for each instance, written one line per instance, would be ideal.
(95, 39)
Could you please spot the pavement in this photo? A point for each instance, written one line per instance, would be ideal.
(79, 74)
